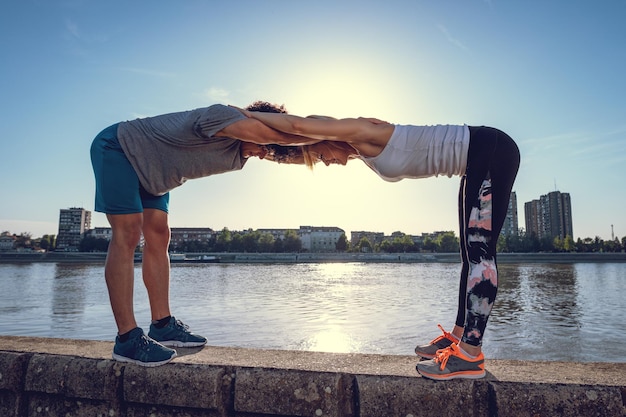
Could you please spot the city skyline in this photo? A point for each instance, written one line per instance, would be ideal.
(548, 216)
(549, 76)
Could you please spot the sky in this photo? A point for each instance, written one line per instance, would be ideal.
(549, 73)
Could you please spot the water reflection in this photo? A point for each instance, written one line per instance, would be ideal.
(542, 312)
(68, 290)
(68, 297)
(537, 308)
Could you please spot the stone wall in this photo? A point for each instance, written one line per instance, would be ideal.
(65, 378)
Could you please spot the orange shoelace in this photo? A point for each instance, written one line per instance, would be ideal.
(445, 335)
(442, 355)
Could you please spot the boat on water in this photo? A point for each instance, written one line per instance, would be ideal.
(190, 259)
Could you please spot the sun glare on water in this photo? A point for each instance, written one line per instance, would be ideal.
(332, 340)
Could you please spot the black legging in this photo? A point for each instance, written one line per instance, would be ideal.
(492, 164)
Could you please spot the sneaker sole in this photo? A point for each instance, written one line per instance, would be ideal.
(178, 343)
(454, 375)
(120, 358)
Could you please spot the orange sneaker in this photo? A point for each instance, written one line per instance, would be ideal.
(430, 350)
(451, 363)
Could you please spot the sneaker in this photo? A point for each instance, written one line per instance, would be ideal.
(176, 334)
(451, 363)
(141, 350)
(430, 350)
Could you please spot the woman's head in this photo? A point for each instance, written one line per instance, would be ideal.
(327, 152)
(330, 152)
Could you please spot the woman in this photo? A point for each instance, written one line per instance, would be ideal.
(487, 160)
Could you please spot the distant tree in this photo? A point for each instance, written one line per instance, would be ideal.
(222, 243)
(364, 245)
(44, 242)
(342, 243)
(24, 240)
(266, 242)
(93, 244)
(447, 242)
(598, 244)
(279, 246)
(402, 243)
(568, 244)
(612, 246)
(236, 243)
(251, 241)
(292, 242)
(429, 244)
(384, 246)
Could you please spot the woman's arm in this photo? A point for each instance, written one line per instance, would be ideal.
(368, 137)
(255, 131)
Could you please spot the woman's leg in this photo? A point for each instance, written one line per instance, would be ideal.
(493, 161)
(459, 323)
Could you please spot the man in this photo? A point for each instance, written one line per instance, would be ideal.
(136, 164)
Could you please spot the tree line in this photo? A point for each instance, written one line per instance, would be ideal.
(255, 241)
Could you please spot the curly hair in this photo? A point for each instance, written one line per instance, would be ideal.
(280, 153)
(264, 106)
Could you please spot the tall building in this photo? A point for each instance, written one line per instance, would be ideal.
(550, 216)
(511, 223)
(73, 224)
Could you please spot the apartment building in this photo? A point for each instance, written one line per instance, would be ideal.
(319, 239)
(550, 216)
(180, 235)
(73, 224)
(511, 222)
(375, 238)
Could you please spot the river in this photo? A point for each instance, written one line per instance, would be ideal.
(554, 312)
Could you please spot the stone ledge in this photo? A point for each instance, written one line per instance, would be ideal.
(42, 376)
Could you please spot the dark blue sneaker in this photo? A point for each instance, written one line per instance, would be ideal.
(177, 334)
(141, 350)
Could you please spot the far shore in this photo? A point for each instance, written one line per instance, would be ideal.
(307, 257)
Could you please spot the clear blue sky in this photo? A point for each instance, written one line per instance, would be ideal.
(551, 74)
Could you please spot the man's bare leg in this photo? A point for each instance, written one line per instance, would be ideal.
(119, 267)
(156, 262)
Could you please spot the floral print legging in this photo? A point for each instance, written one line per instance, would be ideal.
(492, 164)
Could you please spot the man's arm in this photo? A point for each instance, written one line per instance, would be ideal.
(254, 131)
(362, 131)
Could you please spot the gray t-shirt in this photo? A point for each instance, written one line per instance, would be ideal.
(167, 150)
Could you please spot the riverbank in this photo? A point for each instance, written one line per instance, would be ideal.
(231, 257)
(63, 377)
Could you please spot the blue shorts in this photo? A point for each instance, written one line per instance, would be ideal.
(118, 190)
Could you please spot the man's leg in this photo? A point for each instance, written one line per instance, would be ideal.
(156, 276)
(119, 267)
(156, 262)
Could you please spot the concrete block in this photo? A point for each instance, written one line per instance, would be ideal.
(12, 367)
(8, 403)
(50, 405)
(145, 410)
(179, 385)
(283, 392)
(12, 370)
(557, 400)
(91, 378)
(46, 373)
(414, 396)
